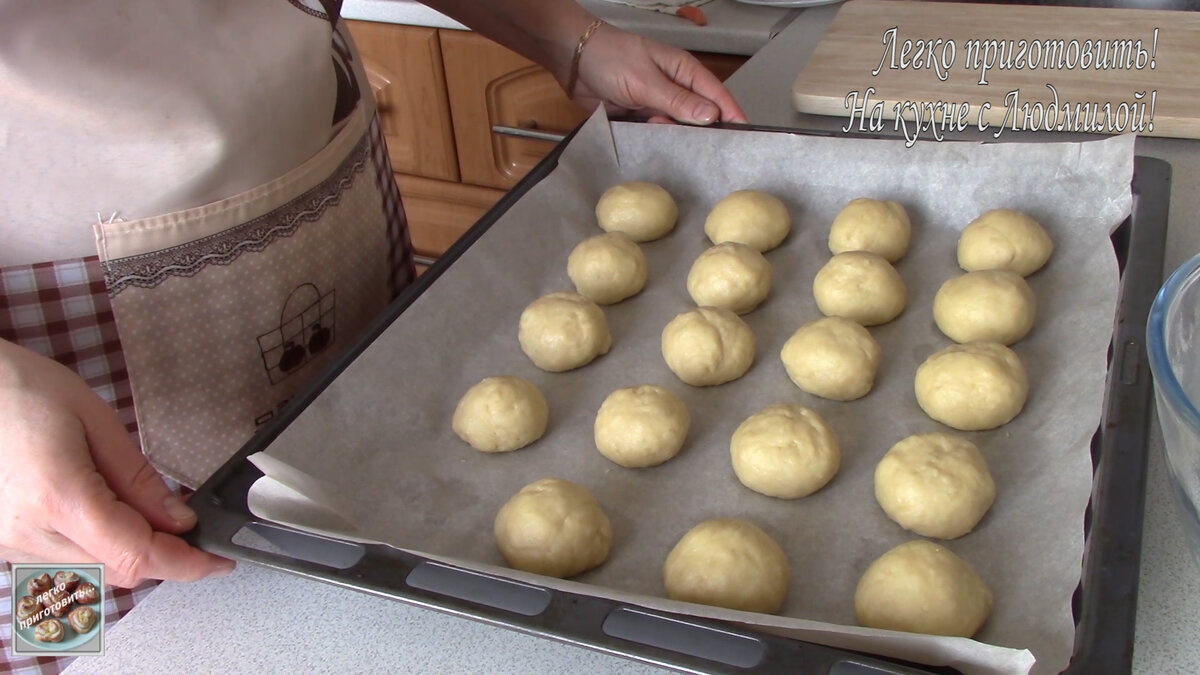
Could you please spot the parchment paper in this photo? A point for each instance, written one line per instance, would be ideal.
(380, 437)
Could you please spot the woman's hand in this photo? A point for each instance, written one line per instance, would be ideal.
(625, 72)
(630, 74)
(75, 489)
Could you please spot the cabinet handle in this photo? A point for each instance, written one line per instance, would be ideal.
(533, 134)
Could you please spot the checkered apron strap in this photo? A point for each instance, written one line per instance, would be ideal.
(403, 269)
(61, 310)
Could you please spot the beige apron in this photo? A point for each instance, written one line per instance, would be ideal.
(226, 310)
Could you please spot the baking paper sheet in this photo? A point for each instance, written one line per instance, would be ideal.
(381, 439)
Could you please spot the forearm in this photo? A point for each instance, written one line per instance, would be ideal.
(545, 31)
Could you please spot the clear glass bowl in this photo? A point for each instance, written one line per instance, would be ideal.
(1174, 338)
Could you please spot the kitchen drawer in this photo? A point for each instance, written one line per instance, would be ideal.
(439, 212)
(404, 67)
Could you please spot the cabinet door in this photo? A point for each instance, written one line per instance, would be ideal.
(491, 85)
(404, 67)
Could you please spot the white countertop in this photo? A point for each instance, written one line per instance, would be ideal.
(258, 620)
(733, 27)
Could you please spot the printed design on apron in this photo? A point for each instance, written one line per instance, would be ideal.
(348, 92)
(206, 323)
(185, 260)
(326, 10)
(306, 328)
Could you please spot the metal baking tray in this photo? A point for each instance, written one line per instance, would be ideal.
(1104, 604)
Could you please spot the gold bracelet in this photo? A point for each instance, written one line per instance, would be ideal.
(587, 35)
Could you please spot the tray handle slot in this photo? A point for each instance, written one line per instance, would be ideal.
(848, 667)
(732, 649)
(511, 596)
(739, 652)
(268, 538)
(1129, 364)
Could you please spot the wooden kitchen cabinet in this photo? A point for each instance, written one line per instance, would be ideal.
(440, 92)
(404, 67)
(490, 85)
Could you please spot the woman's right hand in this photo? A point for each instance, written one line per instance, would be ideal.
(628, 73)
(75, 489)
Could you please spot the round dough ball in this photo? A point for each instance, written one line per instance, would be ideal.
(708, 346)
(607, 268)
(985, 306)
(727, 562)
(972, 387)
(921, 587)
(730, 275)
(880, 227)
(641, 426)
(785, 451)
(1004, 239)
(833, 358)
(936, 485)
(751, 217)
(553, 527)
(644, 211)
(860, 286)
(501, 414)
(563, 331)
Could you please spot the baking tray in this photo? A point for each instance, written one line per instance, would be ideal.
(1104, 604)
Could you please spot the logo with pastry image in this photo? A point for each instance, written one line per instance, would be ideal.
(57, 610)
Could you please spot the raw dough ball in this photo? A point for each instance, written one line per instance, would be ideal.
(972, 387)
(553, 527)
(708, 346)
(936, 485)
(833, 358)
(727, 562)
(921, 587)
(881, 227)
(563, 331)
(985, 306)
(784, 451)
(730, 275)
(642, 210)
(641, 426)
(1004, 239)
(500, 414)
(860, 286)
(751, 217)
(607, 268)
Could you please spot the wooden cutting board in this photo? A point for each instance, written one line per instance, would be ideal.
(856, 44)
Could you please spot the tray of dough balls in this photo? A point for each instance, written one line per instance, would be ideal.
(834, 389)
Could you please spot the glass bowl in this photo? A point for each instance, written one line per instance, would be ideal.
(1174, 343)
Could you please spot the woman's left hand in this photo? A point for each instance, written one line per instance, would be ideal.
(630, 74)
